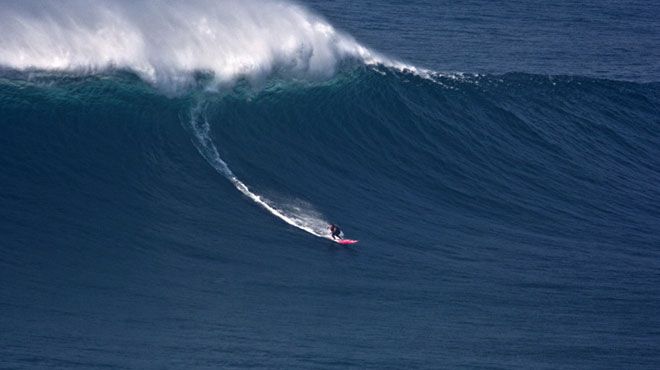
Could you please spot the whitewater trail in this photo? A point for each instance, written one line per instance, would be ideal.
(308, 220)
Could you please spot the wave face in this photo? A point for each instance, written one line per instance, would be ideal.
(528, 151)
(443, 183)
(504, 220)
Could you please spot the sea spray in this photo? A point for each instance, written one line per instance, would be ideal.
(170, 43)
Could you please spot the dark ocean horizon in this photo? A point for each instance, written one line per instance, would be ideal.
(169, 170)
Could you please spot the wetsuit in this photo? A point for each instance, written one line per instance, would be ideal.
(335, 231)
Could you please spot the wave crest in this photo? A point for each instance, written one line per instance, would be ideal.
(167, 43)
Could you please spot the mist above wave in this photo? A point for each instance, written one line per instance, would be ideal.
(168, 42)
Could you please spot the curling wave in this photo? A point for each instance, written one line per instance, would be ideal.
(495, 148)
(173, 44)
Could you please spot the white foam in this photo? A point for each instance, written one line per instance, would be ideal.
(167, 42)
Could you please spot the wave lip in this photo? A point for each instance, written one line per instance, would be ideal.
(167, 43)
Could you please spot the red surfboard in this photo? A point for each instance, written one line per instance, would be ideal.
(346, 241)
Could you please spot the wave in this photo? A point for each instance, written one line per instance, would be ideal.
(344, 124)
(125, 203)
(177, 45)
(562, 157)
(173, 44)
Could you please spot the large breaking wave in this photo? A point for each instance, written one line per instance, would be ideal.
(173, 43)
(306, 114)
(505, 220)
(176, 44)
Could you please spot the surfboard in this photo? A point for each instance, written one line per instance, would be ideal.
(346, 241)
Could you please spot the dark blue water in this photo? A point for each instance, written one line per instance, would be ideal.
(507, 217)
(602, 39)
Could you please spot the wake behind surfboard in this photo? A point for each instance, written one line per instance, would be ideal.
(304, 220)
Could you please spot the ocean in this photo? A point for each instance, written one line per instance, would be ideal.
(168, 171)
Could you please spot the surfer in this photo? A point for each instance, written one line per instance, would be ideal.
(335, 231)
